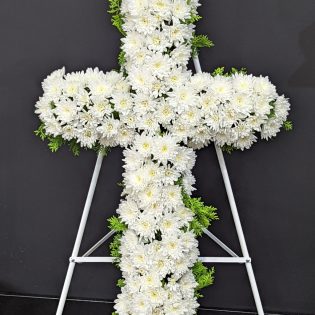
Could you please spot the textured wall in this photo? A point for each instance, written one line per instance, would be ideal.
(42, 194)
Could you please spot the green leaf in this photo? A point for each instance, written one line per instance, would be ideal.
(74, 147)
(121, 283)
(200, 41)
(55, 143)
(193, 18)
(117, 18)
(272, 110)
(228, 148)
(203, 275)
(116, 224)
(287, 125)
(218, 71)
(122, 58)
(41, 132)
(203, 215)
(114, 247)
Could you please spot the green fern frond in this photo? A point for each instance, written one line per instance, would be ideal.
(200, 41)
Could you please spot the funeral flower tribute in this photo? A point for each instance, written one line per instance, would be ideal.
(159, 112)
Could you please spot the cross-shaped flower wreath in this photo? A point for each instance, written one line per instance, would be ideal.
(160, 113)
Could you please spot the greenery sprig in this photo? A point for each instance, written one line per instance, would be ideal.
(117, 17)
(200, 41)
(204, 215)
(203, 275)
(55, 143)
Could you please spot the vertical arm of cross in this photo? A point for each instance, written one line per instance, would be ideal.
(235, 215)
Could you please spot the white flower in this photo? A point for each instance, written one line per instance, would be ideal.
(141, 79)
(109, 127)
(263, 86)
(221, 88)
(159, 64)
(172, 246)
(66, 111)
(128, 211)
(144, 145)
(182, 97)
(100, 88)
(181, 9)
(122, 102)
(243, 83)
(164, 149)
(145, 226)
(87, 137)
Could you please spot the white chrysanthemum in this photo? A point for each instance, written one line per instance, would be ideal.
(169, 224)
(122, 304)
(164, 149)
(282, 107)
(200, 81)
(156, 296)
(245, 142)
(165, 113)
(101, 108)
(270, 128)
(169, 175)
(264, 87)
(140, 305)
(150, 280)
(182, 97)
(87, 137)
(181, 9)
(178, 33)
(173, 195)
(128, 211)
(136, 180)
(141, 79)
(66, 111)
(149, 196)
(109, 127)
(221, 88)
(132, 43)
(44, 108)
(52, 85)
(242, 104)
(53, 127)
(161, 7)
(122, 102)
(146, 23)
(172, 246)
(145, 226)
(159, 64)
(100, 88)
(243, 83)
(181, 55)
(157, 41)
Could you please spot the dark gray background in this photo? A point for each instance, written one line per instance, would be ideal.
(42, 194)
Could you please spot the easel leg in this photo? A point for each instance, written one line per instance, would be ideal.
(79, 237)
(239, 230)
(235, 214)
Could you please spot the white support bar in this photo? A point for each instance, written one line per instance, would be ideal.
(92, 259)
(220, 243)
(81, 229)
(98, 244)
(224, 260)
(235, 214)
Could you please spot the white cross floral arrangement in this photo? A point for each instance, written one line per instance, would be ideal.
(159, 112)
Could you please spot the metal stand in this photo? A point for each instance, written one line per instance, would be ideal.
(234, 258)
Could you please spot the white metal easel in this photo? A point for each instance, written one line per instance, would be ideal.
(233, 258)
